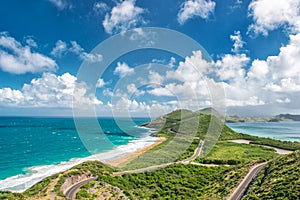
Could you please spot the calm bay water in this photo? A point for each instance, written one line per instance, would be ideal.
(28, 142)
(289, 131)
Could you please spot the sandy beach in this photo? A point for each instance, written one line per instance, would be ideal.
(114, 157)
(118, 161)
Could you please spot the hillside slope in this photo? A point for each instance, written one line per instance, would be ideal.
(280, 179)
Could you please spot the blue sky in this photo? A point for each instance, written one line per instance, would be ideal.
(254, 46)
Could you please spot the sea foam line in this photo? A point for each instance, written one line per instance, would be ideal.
(21, 182)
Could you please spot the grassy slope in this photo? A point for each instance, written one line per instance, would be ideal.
(280, 179)
(180, 182)
(233, 153)
(177, 180)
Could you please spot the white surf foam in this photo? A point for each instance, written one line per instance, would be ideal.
(21, 182)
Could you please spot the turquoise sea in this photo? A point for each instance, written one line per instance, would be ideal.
(289, 131)
(29, 142)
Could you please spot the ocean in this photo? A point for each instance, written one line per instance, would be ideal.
(289, 131)
(33, 148)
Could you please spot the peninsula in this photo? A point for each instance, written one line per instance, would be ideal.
(192, 175)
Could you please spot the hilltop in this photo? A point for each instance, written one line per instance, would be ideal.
(211, 176)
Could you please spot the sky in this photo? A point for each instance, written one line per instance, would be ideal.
(253, 49)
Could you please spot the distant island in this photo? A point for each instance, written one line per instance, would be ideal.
(277, 118)
(268, 166)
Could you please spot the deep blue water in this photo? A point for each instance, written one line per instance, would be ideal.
(27, 142)
(289, 131)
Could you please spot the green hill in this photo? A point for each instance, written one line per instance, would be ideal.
(183, 129)
(280, 179)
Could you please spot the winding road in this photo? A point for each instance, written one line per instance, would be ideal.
(155, 167)
(71, 191)
(236, 195)
(239, 192)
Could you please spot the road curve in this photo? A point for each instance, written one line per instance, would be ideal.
(252, 174)
(70, 193)
(155, 167)
(196, 153)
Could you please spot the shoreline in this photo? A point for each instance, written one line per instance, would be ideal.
(278, 150)
(21, 182)
(121, 160)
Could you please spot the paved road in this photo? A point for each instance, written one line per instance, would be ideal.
(71, 191)
(252, 174)
(196, 154)
(155, 167)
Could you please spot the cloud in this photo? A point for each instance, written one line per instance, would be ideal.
(192, 69)
(195, 8)
(238, 42)
(125, 15)
(49, 90)
(161, 91)
(155, 78)
(10, 96)
(231, 67)
(237, 4)
(252, 101)
(16, 58)
(133, 90)
(62, 48)
(279, 73)
(285, 101)
(146, 38)
(284, 85)
(100, 7)
(286, 64)
(123, 69)
(61, 4)
(258, 70)
(269, 15)
(172, 62)
(59, 49)
(31, 42)
(100, 83)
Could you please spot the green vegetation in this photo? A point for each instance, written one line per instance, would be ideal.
(10, 196)
(180, 181)
(183, 129)
(232, 153)
(280, 179)
(176, 181)
(288, 145)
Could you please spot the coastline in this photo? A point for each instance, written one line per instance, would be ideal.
(278, 150)
(21, 182)
(284, 131)
(121, 160)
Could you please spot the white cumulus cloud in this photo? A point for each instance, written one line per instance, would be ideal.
(49, 90)
(195, 8)
(125, 15)
(269, 15)
(100, 83)
(231, 67)
(16, 58)
(123, 69)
